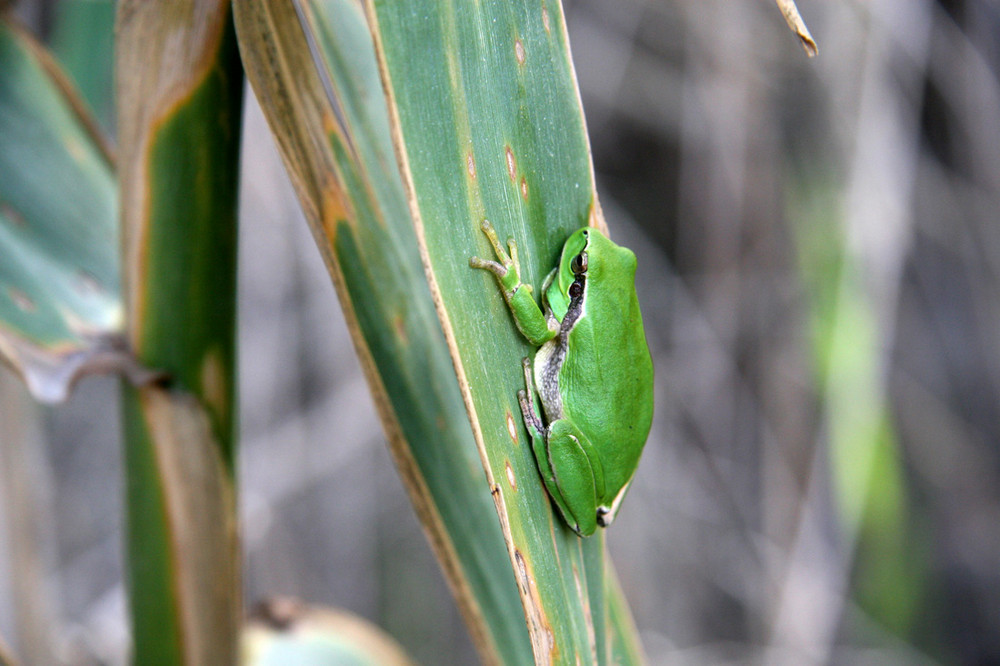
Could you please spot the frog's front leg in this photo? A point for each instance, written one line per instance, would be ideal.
(527, 315)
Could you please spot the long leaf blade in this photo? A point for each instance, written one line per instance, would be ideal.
(60, 308)
(488, 126)
(180, 88)
(331, 126)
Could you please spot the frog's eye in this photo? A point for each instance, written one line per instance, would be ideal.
(579, 263)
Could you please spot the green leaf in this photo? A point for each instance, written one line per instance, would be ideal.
(60, 309)
(83, 41)
(622, 632)
(179, 86)
(331, 126)
(868, 480)
(488, 125)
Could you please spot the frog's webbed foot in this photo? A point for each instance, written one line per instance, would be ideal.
(507, 269)
(606, 514)
(497, 269)
(502, 266)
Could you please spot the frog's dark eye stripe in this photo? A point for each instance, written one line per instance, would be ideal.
(576, 289)
(579, 263)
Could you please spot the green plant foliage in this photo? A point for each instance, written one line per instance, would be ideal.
(83, 41)
(622, 633)
(180, 87)
(59, 287)
(889, 573)
(338, 151)
(489, 125)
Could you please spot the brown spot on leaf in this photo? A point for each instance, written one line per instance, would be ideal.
(399, 326)
(11, 214)
(511, 479)
(21, 299)
(511, 164)
(333, 208)
(470, 164)
(524, 188)
(511, 427)
(522, 569)
(545, 19)
(214, 383)
(519, 51)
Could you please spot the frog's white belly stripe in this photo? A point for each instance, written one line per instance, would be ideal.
(547, 378)
(550, 356)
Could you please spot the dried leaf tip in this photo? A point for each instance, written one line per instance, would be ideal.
(798, 26)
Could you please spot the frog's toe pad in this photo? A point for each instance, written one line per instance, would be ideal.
(604, 516)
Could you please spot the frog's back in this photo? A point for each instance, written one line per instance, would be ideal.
(609, 372)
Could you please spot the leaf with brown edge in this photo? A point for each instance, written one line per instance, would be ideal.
(313, 69)
(180, 93)
(60, 304)
(487, 124)
(200, 514)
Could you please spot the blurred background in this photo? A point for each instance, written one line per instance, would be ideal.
(819, 269)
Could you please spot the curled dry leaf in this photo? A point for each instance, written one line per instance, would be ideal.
(283, 629)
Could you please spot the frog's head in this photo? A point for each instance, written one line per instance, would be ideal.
(575, 258)
(590, 253)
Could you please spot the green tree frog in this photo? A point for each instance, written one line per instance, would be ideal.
(592, 372)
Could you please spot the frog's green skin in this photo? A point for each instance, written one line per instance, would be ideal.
(593, 373)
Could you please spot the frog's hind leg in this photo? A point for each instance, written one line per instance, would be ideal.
(528, 399)
(540, 447)
(575, 492)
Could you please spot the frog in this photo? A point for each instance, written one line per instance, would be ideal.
(591, 374)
